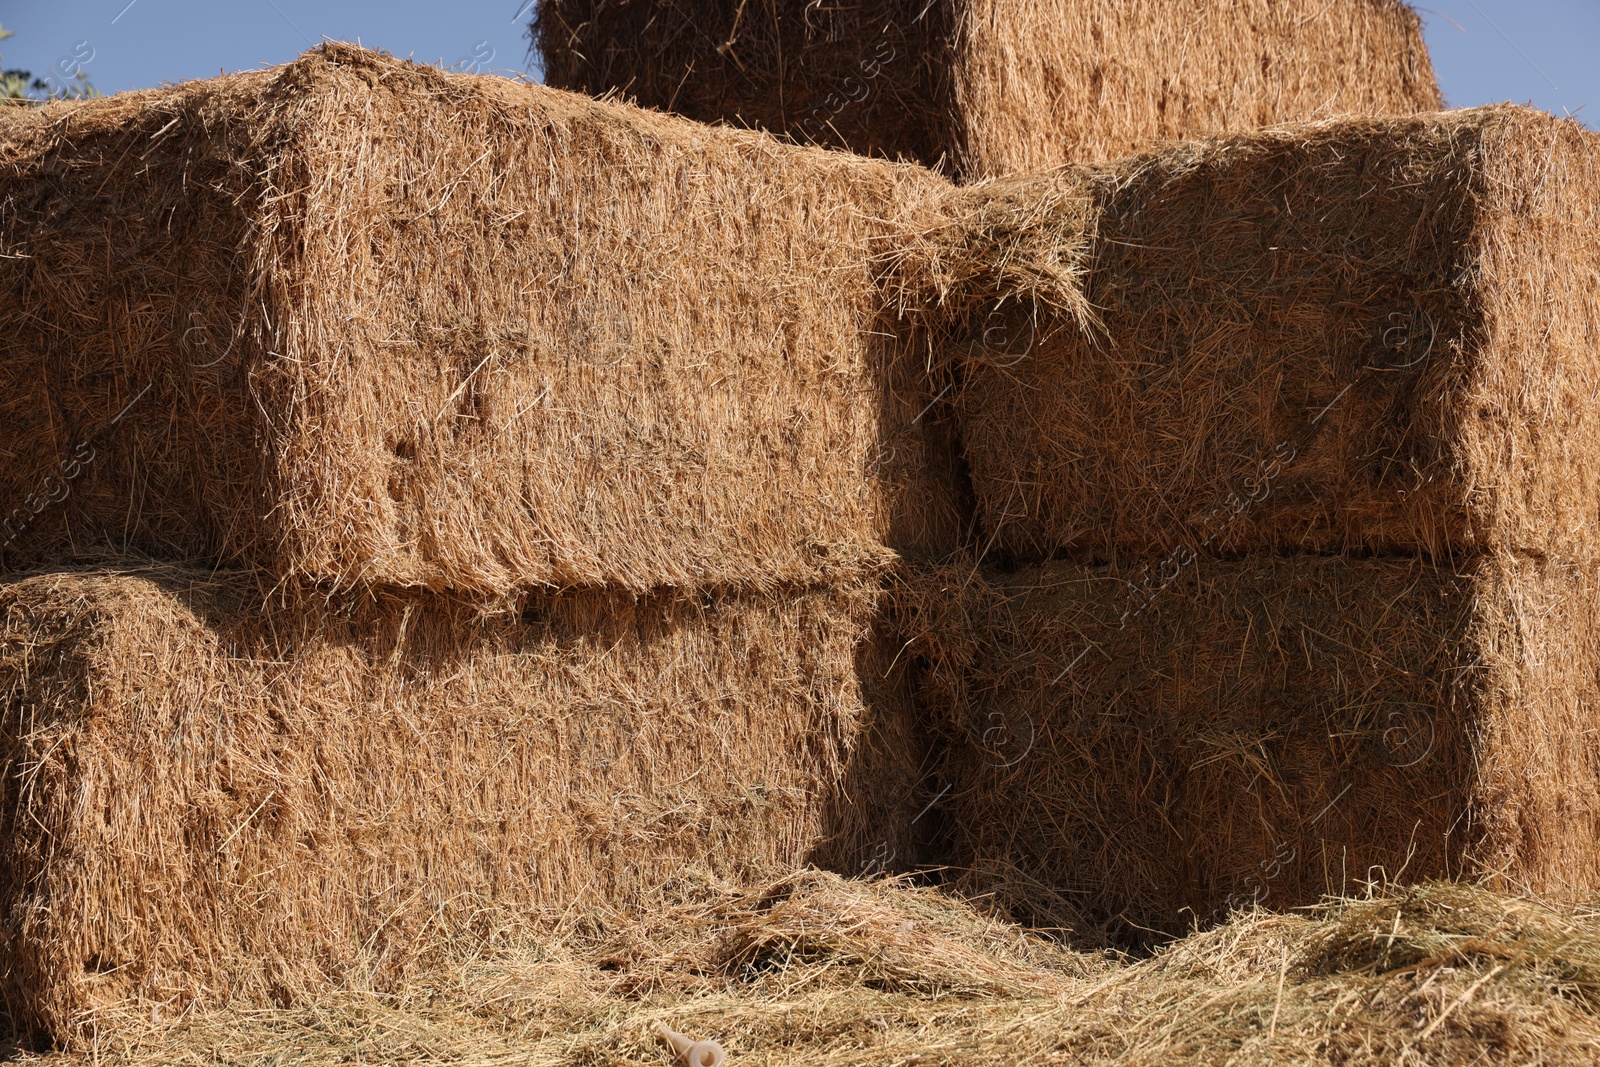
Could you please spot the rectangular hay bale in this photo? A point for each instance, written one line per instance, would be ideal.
(209, 801)
(1368, 334)
(994, 87)
(1272, 729)
(368, 322)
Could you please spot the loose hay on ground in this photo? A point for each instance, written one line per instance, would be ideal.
(389, 325)
(1272, 728)
(1441, 974)
(207, 801)
(1369, 334)
(994, 87)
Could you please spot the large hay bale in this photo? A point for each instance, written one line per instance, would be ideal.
(1363, 334)
(993, 87)
(205, 800)
(382, 324)
(1270, 729)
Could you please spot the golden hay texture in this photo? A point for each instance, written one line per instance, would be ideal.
(993, 87)
(382, 324)
(1360, 334)
(817, 971)
(1272, 729)
(206, 801)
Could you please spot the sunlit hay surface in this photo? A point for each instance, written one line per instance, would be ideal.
(389, 325)
(817, 970)
(1266, 729)
(986, 88)
(212, 800)
(1367, 334)
(1039, 84)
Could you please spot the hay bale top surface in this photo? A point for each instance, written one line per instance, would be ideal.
(341, 64)
(390, 325)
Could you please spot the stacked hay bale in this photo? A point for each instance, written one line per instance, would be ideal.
(1300, 545)
(985, 88)
(436, 500)
(543, 343)
(210, 801)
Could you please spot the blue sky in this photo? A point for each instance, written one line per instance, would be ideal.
(1546, 52)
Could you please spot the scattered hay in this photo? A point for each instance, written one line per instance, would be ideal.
(815, 931)
(986, 264)
(206, 801)
(1368, 334)
(1441, 974)
(387, 325)
(1270, 729)
(986, 88)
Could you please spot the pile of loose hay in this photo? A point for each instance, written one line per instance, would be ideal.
(993, 87)
(207, 800)
(379, 324)
(1268, 729)
(1369, 334)
(815, 970)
